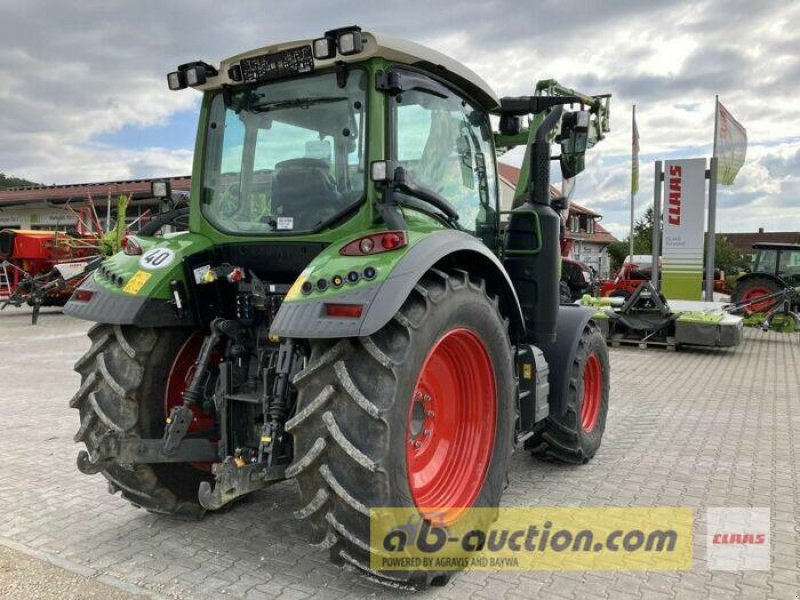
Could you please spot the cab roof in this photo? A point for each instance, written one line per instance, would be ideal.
(377, 45)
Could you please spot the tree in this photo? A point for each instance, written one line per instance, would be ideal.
(12, 182)
(642, 240)
(727, 257)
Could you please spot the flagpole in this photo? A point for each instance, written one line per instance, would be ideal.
(716, 123)
(633, 196)
(711, 237)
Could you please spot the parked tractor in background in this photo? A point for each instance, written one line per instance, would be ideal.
(345, 309)
(776, 269)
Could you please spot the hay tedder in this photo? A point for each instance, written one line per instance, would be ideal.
(43, 268)
(345, 308)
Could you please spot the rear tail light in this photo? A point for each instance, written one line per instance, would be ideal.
(82, 295)
(131, 247)
(375, 243)
(344, 311)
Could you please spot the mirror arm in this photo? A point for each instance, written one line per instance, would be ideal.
(389, 209)
(540, 158)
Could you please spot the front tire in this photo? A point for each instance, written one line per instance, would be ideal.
(123, 381)
(360, 426)
(575, 436)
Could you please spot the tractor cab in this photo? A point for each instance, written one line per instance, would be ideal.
(780, 260)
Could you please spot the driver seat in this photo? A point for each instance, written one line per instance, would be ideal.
(301, 187)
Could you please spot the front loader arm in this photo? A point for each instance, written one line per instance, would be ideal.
(597, 105)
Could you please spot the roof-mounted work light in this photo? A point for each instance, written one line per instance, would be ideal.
(325, 48)
(195, 76)
(350, 43)
(176, 80)
(190, 74)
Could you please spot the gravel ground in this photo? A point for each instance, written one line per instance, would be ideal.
(23, 577)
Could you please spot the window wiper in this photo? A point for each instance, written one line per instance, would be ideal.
(301, 102)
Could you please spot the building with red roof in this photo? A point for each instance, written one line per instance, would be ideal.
(46, 207)
(588, 239)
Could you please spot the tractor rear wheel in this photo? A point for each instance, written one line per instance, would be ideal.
(419, 414)
(129, 378)
(575, 436)
(753, 289)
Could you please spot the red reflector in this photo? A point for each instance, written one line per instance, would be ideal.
(393, 240)
(82, 295)
(345, 311)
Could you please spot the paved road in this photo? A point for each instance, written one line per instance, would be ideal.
(698, 429)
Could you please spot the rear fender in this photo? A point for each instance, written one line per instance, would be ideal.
(304, 317)
(135, 290)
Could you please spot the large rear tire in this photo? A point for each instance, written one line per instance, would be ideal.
(365, 405)
(752, 289)
(124, 378)
(575, 436)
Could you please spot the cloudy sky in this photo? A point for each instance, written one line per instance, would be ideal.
(83, 94)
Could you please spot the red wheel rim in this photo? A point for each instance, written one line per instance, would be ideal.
(451, 426)
(178, 379)
(592, 392)
(754, 294)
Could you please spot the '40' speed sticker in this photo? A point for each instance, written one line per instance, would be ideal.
(157, 258)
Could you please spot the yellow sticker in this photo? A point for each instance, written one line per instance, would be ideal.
(137, 282)
(527, 371)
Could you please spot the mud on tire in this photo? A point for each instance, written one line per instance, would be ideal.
(564, 438)
(350, 425)
(123, 378)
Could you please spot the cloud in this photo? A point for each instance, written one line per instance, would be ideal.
(72, 74)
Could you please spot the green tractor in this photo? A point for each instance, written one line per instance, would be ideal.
(776, 268)
(345, 308)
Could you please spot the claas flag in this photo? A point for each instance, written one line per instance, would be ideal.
(634, 156)
(730, 145)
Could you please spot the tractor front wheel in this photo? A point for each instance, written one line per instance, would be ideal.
(419, 414)
(130, 377)
(575, 436)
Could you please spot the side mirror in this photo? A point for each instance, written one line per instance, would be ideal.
(574, 140)
(510, 124)
(560, 203)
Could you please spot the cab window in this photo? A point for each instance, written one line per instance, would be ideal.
(444, 144)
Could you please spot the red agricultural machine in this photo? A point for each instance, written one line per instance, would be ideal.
(43, 268)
